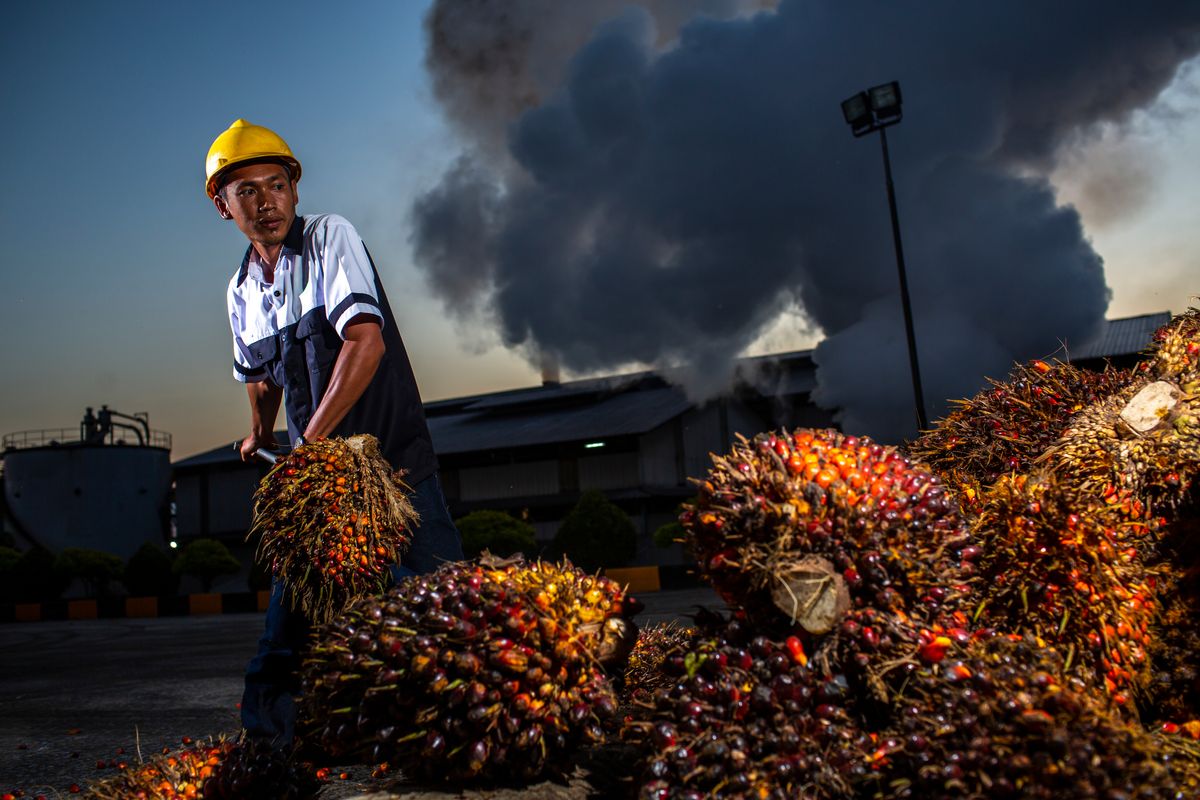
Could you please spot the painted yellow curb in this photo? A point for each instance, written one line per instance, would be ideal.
(28, 612)
(141, 606)
(209, 603)
(637, 579)
(82, 609)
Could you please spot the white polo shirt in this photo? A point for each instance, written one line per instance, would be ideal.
(327, 273)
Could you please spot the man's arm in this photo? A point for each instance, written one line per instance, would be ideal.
(362, 350)
(265, 398)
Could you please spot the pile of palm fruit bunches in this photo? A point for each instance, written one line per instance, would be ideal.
(1007, 608)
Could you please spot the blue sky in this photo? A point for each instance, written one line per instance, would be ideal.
(114, 260)
(115, 263)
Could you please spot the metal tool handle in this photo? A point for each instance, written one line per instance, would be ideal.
(267, 456)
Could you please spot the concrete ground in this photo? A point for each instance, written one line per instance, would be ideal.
(77, 695)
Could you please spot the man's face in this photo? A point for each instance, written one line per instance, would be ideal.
(261, 199)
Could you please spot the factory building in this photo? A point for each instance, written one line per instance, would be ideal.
(532, 452)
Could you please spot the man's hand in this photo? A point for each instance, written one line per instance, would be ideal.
(252, 444)
(264, 407)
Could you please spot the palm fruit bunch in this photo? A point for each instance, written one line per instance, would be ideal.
(481, 671)
(1172, 698)
(1070, 573)
(797, 528)
(644, 672)
(1005, 427)
(1072, 550)
(215, 770)
(254, 769)
(1179, 748)
(745, 716)
(1144, 439)
(1002, 718)
(333, 518)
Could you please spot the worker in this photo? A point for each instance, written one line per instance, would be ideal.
(312, 330)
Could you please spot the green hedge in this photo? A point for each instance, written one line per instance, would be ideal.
(149, 573)
(496, 532)
(206, 559)
(596, 533)
(95, 568)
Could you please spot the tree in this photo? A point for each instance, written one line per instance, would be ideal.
(149, 573)
(496, 532)
(9, 557)
(596, 533)
(206, 559)
(95, 568)
(34, 579)
(668, 534)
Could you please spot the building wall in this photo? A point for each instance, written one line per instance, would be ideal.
(216, 502)
(702, 434)
(608, 471)
(660, 460)
(503, 481)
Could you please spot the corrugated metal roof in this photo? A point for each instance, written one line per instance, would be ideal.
(1121, 337)
(622, 414)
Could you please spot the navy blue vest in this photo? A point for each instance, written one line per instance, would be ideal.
(300, 358)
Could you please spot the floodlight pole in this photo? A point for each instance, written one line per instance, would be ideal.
(919, 396)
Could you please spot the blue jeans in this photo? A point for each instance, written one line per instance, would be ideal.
(273, 675)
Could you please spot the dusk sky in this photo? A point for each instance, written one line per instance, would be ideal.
(115, 263)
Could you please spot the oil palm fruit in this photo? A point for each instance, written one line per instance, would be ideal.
(1172, 698)
(1001, 718)
(1144, 440)
(744, 716)
(644, 672)
(798, 528)
(1006, 426)
(333, 517)
(253, 768)
(481, 671)
(1070, 573)
(217, 770)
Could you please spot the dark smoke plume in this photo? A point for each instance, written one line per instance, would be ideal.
(634, 191)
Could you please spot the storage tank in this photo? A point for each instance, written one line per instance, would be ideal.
(105, 487)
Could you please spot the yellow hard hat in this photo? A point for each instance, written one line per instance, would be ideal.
(243, 142)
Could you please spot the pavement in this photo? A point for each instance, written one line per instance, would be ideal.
(77, 695)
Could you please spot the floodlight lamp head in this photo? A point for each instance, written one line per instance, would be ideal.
(857, 112)
(885, 101)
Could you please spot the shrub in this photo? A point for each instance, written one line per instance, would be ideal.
(9, 557)
(596, 534)
(96, 569)
(668, 534)
(34, 579)
(149, 573)
(259, 577)
(496, 532)
(206, 559)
